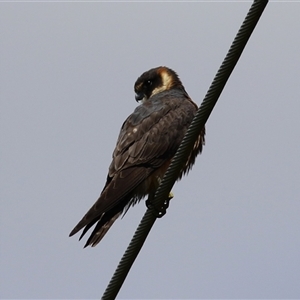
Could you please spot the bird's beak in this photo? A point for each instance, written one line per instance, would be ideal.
(139, 97)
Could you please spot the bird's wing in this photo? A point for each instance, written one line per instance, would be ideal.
(148, 140)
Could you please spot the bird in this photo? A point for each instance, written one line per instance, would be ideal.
(147, 142)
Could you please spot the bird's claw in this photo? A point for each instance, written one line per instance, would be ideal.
(159, 211)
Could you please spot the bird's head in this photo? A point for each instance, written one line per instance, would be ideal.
(155, 81)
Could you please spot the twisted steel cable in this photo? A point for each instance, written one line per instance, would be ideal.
(182, 153)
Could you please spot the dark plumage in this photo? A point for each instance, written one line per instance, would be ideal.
(147, 142)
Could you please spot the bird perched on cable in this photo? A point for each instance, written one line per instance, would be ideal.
(148, 140)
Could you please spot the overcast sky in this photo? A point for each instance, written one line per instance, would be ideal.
(67, 75)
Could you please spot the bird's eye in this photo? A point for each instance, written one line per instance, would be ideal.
(149, 82)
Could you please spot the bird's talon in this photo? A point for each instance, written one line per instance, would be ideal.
(149, 204)
(159, 212)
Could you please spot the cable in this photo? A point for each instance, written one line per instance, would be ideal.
(182, 153)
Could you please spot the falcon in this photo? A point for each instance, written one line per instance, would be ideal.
(148, 140)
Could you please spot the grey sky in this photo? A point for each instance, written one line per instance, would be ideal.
(67, 75)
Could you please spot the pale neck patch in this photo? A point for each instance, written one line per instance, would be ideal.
(166, 83)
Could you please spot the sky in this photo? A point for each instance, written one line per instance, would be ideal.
(67, 74)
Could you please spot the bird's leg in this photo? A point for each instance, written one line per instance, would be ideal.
(158, 211)
(161, 210)
(150, 200)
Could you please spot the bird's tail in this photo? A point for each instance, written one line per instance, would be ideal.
(100, 230)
